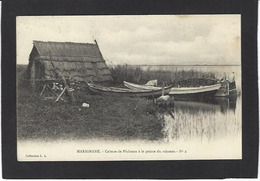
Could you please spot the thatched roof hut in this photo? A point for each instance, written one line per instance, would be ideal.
(78, 61)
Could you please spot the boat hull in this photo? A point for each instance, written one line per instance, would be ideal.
(126, 92)
(200, 96)
(183, 93)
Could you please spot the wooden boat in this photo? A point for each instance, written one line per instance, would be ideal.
(127, 92)
(182, 93)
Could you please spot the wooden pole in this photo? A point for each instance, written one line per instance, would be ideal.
(163, 90)
(32, 76)
(43, 90)
(68, 90)
(54, 92)
(228, 88)
(61, 94)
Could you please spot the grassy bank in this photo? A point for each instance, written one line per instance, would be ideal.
(108, 117)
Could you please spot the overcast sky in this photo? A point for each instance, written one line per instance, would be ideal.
(160, 39)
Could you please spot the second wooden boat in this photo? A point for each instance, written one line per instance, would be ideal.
(182, 93)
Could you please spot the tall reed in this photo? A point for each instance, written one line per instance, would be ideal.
(174, 77)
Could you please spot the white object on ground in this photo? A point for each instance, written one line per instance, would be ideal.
(85, 105)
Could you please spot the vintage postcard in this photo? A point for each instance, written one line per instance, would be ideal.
(132, 87)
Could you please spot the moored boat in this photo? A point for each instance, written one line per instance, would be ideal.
(127, 92)
(182, 93)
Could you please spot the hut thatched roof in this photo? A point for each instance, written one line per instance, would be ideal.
(81, 61)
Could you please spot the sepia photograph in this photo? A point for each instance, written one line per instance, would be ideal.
(129, 87)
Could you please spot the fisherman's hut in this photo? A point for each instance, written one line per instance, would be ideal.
(81, 62)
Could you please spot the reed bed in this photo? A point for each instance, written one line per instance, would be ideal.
(202, 125)
(175, 77)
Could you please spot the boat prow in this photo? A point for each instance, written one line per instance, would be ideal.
(227, 89)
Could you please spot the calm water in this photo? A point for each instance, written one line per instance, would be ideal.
(219, 119)
(216, 120)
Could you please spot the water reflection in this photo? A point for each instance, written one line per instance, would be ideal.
(226, 103)
(221, 104)
(204, 121)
